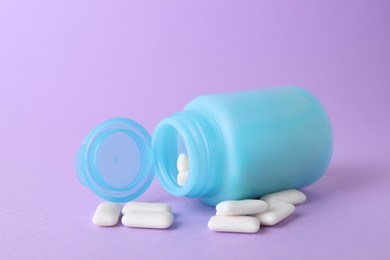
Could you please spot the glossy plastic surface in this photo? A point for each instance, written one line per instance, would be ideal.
(115, 160)
(249, 143)
(240, 145)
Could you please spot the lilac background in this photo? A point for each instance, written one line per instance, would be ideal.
(66, 66)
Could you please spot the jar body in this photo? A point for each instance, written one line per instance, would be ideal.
(268, 140)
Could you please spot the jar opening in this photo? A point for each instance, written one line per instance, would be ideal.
(172, 143)
(189, 132)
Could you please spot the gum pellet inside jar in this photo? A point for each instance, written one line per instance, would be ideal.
(182, 168)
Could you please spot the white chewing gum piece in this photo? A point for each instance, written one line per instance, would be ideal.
(148, 219)
(236, 224)
(291, 196)
(275, 213)
(182, 178)
(182, 163)
(106, 214)
(146, 206)
(241, 207)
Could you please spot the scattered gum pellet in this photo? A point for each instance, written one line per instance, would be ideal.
(106, 214)
(147, 219)
(240, 224)
(291, 196)
(275, 213)
(146, 206)
(241, 207)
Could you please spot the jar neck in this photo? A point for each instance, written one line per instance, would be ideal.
(204, 147)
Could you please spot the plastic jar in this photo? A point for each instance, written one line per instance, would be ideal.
(240, 145)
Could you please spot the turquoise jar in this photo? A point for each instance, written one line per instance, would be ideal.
(240, 145)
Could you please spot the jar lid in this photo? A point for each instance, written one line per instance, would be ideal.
(115, 160)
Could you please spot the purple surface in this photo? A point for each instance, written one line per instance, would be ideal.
(66, 66)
